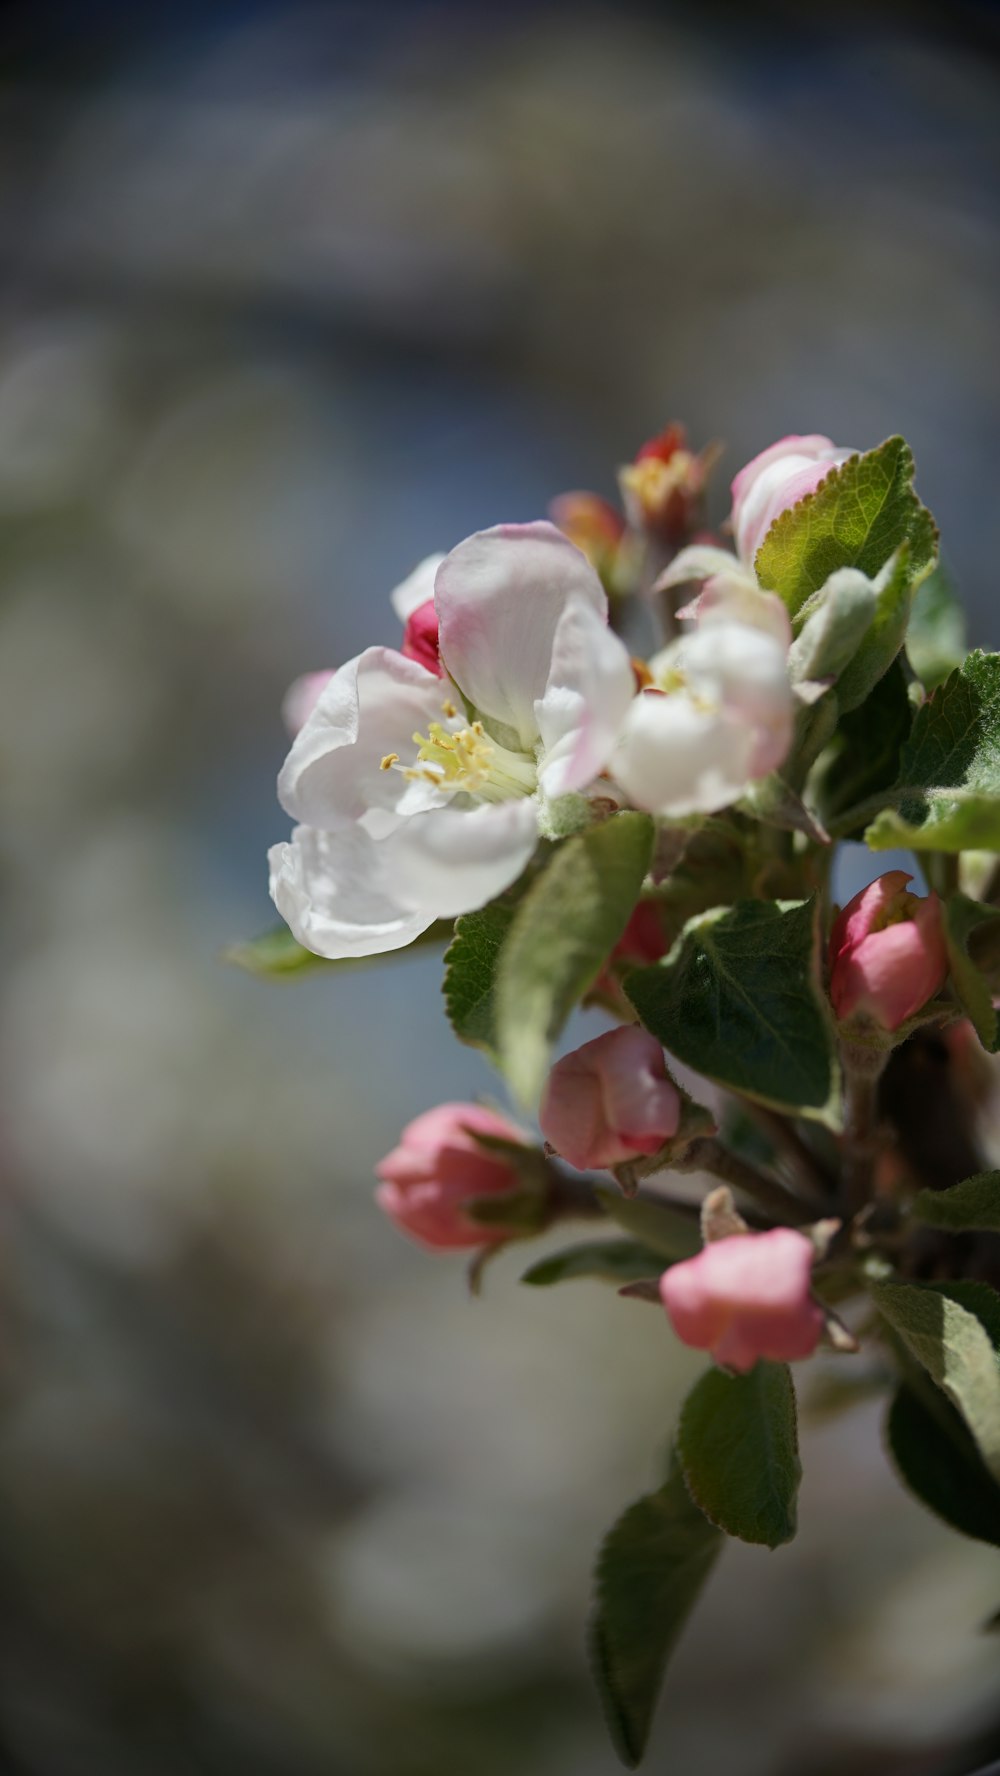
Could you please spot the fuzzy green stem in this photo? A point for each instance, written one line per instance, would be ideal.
(860, 1144)
(779, 1204)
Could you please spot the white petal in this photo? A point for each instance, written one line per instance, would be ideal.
(335, 891)
(499, 597)
(676, 758)
(416, 589)
(744, 672)
(590, 687)
(455, 859)
(371, 707)
(699, 562)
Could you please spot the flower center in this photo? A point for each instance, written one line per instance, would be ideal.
(468, 759)
(668, 676)
(903, 906)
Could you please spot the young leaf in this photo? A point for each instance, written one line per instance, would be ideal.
(654, 1224)
(277, 954)
(936, 641)
(650, 1571)
(947, 1337)
(834, 631)
(560, 937)
(937, 1459)
(738, 999)
(738, 1445)
(470, 966)
(860, 515)
(970, 1207)
(885, 637)
(961, 918)
(609, 1261)
(947, 795)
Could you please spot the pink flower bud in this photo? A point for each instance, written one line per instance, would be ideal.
(776, 479)
(746, 1297)
(301, 698)
(887, 952)
(609, 1100)
(437, 1167)
(641, 943)
(420, 637)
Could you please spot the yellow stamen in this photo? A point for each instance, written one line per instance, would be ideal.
(467, 760)
(391, 758)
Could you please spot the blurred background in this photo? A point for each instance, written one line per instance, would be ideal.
(290, 298)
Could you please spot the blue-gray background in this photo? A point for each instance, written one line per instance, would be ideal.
(289, 299)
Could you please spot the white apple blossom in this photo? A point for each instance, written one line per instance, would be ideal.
(718, 715)
(419, 796)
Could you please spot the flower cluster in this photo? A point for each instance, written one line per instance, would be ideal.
(423, 777)
(787, 1113)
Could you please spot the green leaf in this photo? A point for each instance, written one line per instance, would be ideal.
(739, 1448)
(609, 1261)
(738, 999)
(976, 1298)
(864, 757)
(948, 1338)
(650, 1571)
(654, 1224)
(936, 641)
(470, 967)
(970, 1207)
(277, 953)
(937, 1459)
(711, 872)
(858, 517)
(560, 938)
(884, 638)
(947, 794)
(962, 917)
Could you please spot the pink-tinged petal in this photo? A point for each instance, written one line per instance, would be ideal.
(438, 1167)
(301, 698)
(416, 589)
(499, 597)
(609, 1100)
(807, 446)
(745, 1298)
(775, 480)
(888, 953)
(369, 710)
(729, 598)
(335, 892)
(591, 684)
(420, 638)
(454, 859)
